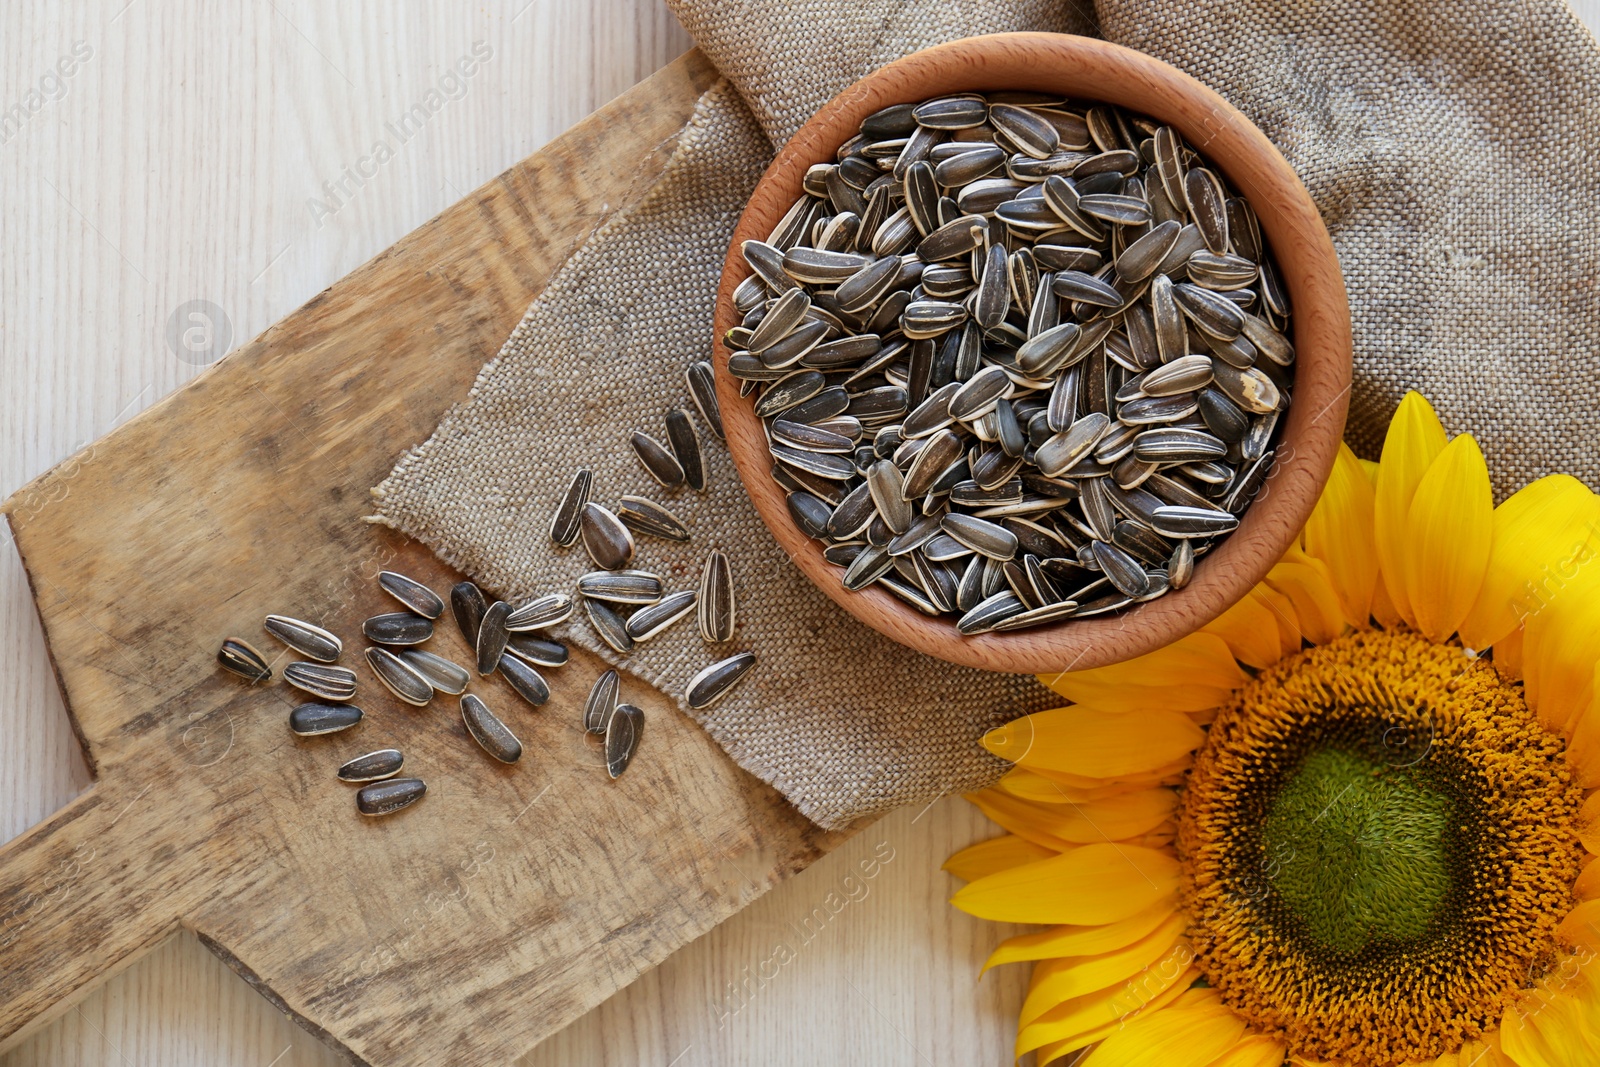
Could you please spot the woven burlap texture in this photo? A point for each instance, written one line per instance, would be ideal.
(1446, 143)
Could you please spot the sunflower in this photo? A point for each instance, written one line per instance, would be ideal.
(1350, 821)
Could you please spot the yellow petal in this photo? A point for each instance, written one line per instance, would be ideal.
(1043, 785)
(1192, 673)
(1559, 1034)
(1254, 1050)
(1316, 605)
(1080, 940)
(1583, 745)
(1113, 819)
(1082, 1021)
(1092, 884)
(1561, 644)
(1508, 655)
(1290, 636)
(1452, 514)
(1055, 981)
(1339, 533)
(1383, 608)
(1587, 887)
(1414, 439)
(1541, 535)
(996, 854)
(1176, 1037)
(1095, 744)
(1251, 629)
(1581, 926)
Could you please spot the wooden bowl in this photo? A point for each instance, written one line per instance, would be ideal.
(1085, 69)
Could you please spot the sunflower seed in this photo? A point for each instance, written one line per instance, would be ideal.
(716, 617)
(242, 659)
(601, 703)
(535, 650)
(468, 604)
(624, 730)
(657, 460)
(384, 763)
(986, 614)
(703, 391)
(1180, 568)
(714, 682)
(1019, 314)
(412, 593)
(439, 672)
(1174, 520)
(492, 637)
(981, 535)
(621, 587)
(686, 447)
(564, 523)
(608, 542)
(313, 720)
(304, 638)
(649, 621)
(386, 798)
(611, 627)
(540, 612)
(398, 628)
(403, 679)
(521, 676)
(320, 680)
(490, 733)
(645, 516)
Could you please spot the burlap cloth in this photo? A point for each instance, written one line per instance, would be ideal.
(1450, 144)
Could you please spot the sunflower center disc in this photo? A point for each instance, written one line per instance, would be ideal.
(1379, 840)
(1361, 848)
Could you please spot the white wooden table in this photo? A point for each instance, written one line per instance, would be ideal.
(159, 152)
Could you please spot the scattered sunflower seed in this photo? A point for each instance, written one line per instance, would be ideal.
(312, 720)
(714, 682)
(624, 730)
(242, 659)
(490, 733)
(412, 593)
(539, 613)
(398, 628)
(658, 460)
(601, 703)
(608, 542)
(304, 638)
(539, 651)
(645, 516)
(521, 676)
(320, 680)
(492, 637)
(385, 798)
(384, 763)
(439, 672)
(564, 523)
(612, 628)
(468, 604)
(401, 678)
(717, 619)
(649, 621)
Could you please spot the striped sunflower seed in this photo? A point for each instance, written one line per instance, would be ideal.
(399, 677)
(536, 650)
(716, 616)
(321, 680)
(716, 681)
(612, 628)
(645, 516)
(601, 703)
(439, 672)
(657, 460)
(304, 638)
(564, 523)
(492, 637)
(651, 620)
(469, 605)
(539, 613)
(373, 766)
(521, 676)
(606, 539)
(398, 628)
(624, 731)
(242, 659)
(412, 593)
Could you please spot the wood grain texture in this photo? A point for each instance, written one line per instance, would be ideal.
(179, 162)
(1083, 68)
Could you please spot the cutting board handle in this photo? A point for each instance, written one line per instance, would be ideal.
(82, 894)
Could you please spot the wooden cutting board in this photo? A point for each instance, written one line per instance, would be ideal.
(511, 899)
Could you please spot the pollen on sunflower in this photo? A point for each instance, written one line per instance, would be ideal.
(1379, 841)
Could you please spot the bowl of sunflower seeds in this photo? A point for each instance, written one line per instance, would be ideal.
(1032, 352)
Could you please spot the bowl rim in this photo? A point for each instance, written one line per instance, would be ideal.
(1094, 70)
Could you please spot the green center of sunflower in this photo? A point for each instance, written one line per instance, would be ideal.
(1360, 850)
(1379, 840)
